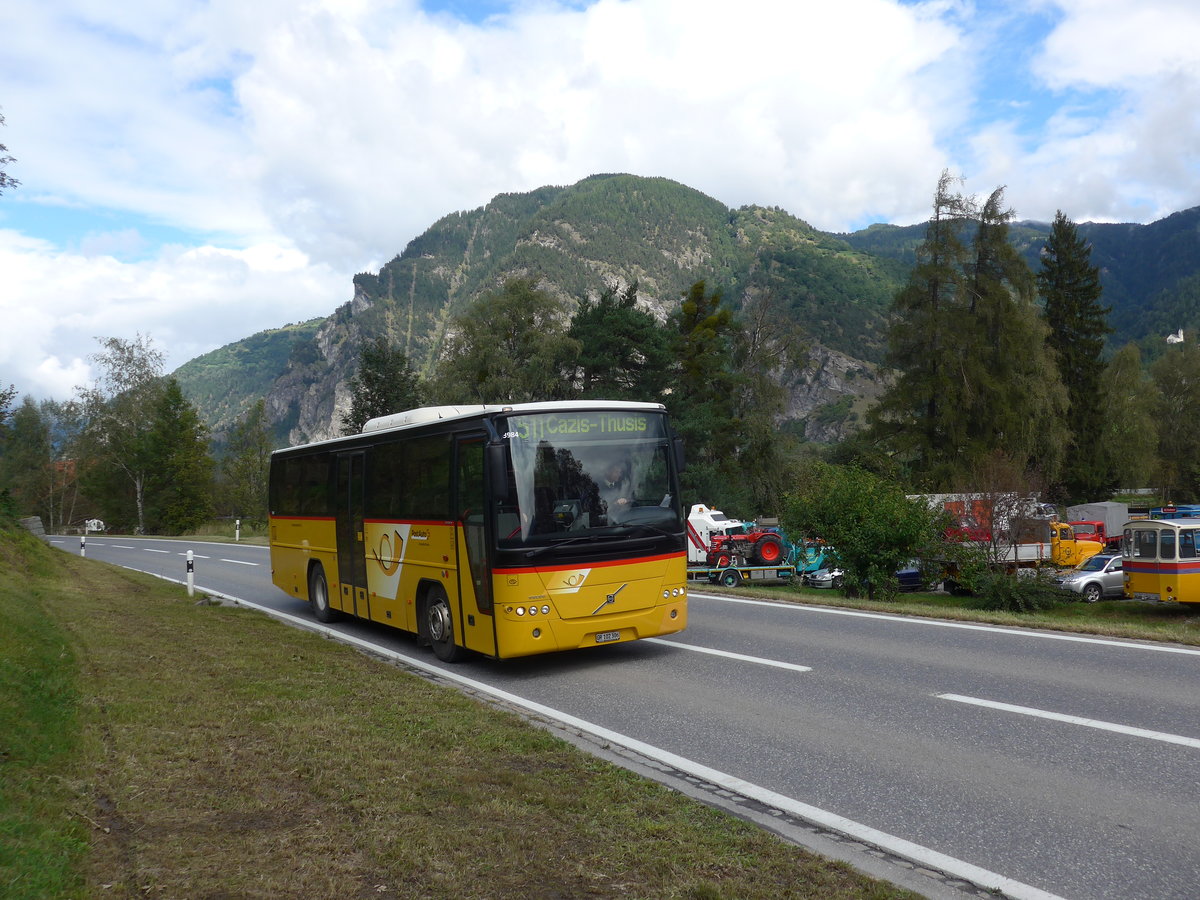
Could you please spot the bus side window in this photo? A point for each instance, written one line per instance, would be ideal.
(1187, 544)
(1166, 544)
(1145, 544)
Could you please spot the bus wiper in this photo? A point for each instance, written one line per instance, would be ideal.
(652, 529)
(589, 539)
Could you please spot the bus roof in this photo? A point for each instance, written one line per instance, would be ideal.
(426, 414)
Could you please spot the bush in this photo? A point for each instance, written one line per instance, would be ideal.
(1016, 593)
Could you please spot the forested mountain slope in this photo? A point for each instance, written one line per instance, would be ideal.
(575, 241)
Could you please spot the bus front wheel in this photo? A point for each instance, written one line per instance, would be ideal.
(318, 595)
(439, 624)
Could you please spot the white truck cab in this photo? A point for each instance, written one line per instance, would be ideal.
(703, 523)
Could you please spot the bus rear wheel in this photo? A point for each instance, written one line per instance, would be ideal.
(439, 625)
(318, 595)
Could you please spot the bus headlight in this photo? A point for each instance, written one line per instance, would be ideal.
(520, 610)
(546, 610)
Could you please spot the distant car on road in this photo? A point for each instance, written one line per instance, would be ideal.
(1096, 577)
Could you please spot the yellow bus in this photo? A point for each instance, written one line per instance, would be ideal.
(504, 530)
(1161, 559)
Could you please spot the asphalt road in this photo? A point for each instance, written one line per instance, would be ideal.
(1068, 764)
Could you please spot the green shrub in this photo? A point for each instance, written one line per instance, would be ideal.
(1016, 593)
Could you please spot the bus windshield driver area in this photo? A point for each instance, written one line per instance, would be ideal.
(586, 475)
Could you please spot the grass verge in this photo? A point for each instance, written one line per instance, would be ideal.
(152, 747)
(1175, 622)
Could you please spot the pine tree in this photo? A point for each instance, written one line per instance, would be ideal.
(25, 463)
(385, 383)
(973, 376)
(624, 353)
(180, 483)
(919, 415)
(1070, 288)
(702, 403)
(1016, 400)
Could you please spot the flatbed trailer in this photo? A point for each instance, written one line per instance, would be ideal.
(741, 573)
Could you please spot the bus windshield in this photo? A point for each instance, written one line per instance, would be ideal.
(588, 474)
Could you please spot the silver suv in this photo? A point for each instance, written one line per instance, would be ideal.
(1095, 577)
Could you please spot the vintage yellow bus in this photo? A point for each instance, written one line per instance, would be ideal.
(1161, 559)
(504, 530)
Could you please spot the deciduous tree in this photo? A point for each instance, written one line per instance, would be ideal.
(6, 180)
(1177, 376)
(874, 528)
(509, 346)
(1131, 408)
(247, 463)
(119, 408)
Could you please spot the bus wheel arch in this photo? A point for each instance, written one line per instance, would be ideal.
(435, 621)
(318, 593)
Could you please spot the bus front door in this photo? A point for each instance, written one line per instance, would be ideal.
(351, 544)
(474, 568)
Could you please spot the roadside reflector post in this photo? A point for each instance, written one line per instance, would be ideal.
(237, 529)
(191, 574)
(83, 544)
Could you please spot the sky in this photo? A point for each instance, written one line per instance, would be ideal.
(197, 171)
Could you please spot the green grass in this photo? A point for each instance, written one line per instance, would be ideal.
(1176, 622)
(42, 842)
(157, 747)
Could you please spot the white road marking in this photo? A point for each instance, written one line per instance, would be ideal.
(1015, 631)
(118, 546)
(1075, 720)
(728, 655)
(152, 550)
(240, 562)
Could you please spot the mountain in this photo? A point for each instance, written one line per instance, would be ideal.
(578, 240)
(1150, 273)
(575, 241)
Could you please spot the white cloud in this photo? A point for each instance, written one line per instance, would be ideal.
(189, 301)
(291, 145)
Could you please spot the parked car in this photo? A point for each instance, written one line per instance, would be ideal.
(910, 578)
(1096, 577)
(824, 577)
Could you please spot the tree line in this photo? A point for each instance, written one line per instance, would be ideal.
(130, 450)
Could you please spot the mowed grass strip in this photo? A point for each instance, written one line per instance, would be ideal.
(183, 750)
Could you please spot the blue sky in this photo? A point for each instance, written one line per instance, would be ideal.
(200, 170)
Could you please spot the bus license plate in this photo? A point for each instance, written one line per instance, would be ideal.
(603, 636)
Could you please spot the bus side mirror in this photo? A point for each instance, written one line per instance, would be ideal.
(677, 450)
(497, 469)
